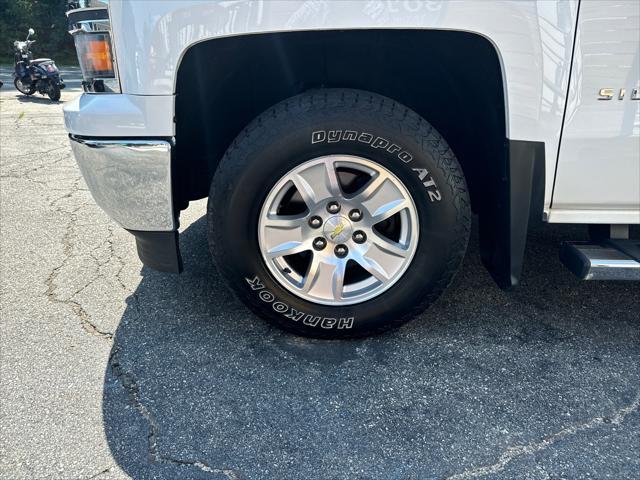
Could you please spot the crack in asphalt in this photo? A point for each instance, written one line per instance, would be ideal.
(130, 385)
(101, 472)
(16, 173)
(67, 242)
(101, 263)
(112, 254)
(76, 307)
(512, 453)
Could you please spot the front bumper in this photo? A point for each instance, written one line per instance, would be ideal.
(131, 181)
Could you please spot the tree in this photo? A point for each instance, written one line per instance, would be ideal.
(46, 17)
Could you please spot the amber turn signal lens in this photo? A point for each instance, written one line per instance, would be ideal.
(94, 55)
(98, 55)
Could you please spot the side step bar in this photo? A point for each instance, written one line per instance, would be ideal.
(610, 260)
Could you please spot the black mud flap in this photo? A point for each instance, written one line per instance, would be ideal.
(159, 250)
(517, 199)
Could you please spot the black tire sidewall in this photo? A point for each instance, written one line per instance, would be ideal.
(274, 148)
(24, 92)
(54, 92)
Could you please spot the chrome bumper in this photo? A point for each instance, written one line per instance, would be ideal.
(130, 180)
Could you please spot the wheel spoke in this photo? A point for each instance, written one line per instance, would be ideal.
(288, 248)
(370, 188)
(389, 246)
(338, 280)
(324, 279)
(382, 198)
(282, 235)
(317, 182)
(388, 210)
(383, 258)
(372, 267)
(333, 183)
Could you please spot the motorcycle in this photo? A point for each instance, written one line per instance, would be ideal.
(41, 75)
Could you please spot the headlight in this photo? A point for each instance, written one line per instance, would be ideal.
(94, 55)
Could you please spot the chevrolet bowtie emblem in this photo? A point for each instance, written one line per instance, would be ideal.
(337, 231)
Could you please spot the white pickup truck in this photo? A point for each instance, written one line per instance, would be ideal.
(343, 145)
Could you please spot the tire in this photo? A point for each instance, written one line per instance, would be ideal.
(388, 137)
(53, 92)
(18, 84)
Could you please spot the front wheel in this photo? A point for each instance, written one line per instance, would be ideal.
(338, 213)
(53, 91)
(23, 88)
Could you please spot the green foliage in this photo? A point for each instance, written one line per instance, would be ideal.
(47, 18)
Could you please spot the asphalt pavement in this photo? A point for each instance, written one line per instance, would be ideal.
(110, 371)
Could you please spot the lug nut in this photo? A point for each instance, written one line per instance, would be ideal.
(341, 251)
(333, 207)
(315, 222)
(359, 236)
(355, 215)
(319, 243)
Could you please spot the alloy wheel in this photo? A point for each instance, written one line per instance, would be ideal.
(338, 230)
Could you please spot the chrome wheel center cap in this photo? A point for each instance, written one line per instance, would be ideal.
(337, 229)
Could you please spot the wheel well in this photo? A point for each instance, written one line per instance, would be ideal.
(453, 79)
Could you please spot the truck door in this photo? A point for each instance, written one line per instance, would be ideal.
(598, 169)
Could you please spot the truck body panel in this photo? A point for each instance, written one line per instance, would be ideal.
(598, 167)
(533, 39)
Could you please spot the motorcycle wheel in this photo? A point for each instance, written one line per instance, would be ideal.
(21, 88)
(54, 92)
